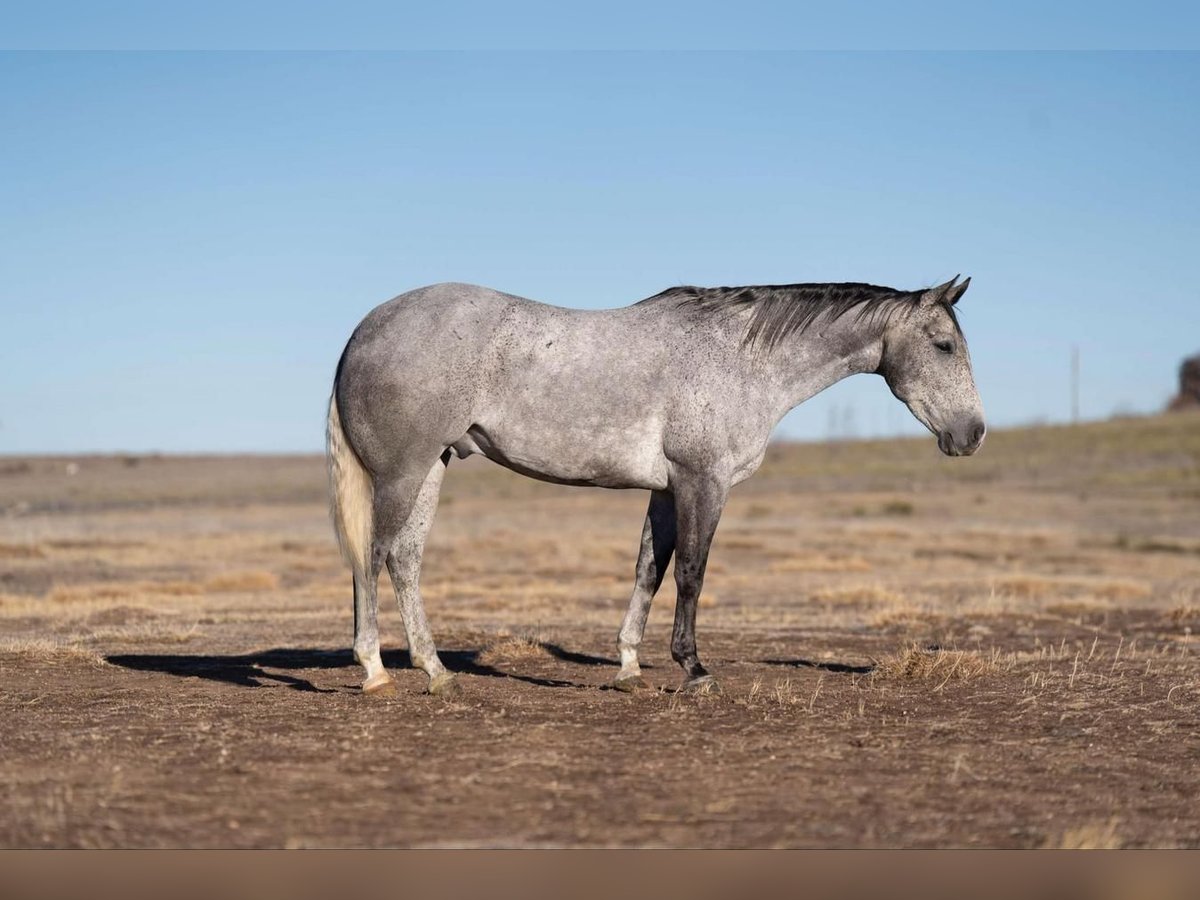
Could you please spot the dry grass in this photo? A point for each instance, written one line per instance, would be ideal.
(915, 663)
(21, 551)
(513, 648)
(821, 564)
(250, 581)
(898, 508)
(91, 544)
(1033, 587)
(1185, 613)
(861, 595)
(84, 603)
(43, 651)
(123, 591)
(236, 582)
(145, 633)
(743, 543)
(1093, 836)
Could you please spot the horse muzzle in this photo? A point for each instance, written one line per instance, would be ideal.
(965, 443)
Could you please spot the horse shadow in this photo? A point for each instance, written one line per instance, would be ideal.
(835, 667)
(261, 668)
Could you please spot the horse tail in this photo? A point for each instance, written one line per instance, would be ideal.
(352, 495)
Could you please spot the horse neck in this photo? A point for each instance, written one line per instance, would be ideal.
(807, 363)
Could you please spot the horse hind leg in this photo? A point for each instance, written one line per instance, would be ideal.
(394, 499)
(404, 565)
(366, 637)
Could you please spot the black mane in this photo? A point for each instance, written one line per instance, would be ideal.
(780, 310)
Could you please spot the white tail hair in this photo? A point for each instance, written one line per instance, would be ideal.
(352, 495)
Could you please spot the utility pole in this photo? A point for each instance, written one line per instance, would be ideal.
(1075, 383)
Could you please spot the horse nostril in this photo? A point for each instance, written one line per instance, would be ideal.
(977, 433)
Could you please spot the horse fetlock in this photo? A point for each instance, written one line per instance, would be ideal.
(629, 655)
(693, 669)
(629, 678)
(365, 653)
(685, 655)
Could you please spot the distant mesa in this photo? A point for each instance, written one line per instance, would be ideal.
(1189, 386)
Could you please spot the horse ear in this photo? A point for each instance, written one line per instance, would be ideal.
(942, 292)
(955, 292)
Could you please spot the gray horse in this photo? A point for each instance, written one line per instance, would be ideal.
(677, 395)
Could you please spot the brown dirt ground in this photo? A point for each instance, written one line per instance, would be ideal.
(913, 652)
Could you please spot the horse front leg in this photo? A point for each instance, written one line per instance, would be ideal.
(658, 543)
(699, 501)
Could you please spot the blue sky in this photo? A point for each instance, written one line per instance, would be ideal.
(187, 239)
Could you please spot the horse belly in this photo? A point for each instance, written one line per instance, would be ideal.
(601, 455)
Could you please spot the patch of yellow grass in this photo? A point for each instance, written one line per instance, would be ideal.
(13, 601)
(1035, 586)
(21, 551)
(1079, 607)
(340, 590)
(253, 580)
(145, 633)
(821, 564)
(121, 590)
(42, 650)
(742, 543)
(1093, 836)
(90, 544)
(81, 604)
(1118, 590)
(861, 595)
(902, 617)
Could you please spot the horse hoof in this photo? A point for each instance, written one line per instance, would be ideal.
(444, 684)
(704, 684)
(381, 685)
(631, 683)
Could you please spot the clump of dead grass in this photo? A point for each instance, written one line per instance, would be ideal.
(1185, 613)
(513, 648)
(45, 651)
(146, 633)
(1092, 836)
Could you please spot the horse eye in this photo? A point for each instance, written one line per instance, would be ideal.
(944, 346)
